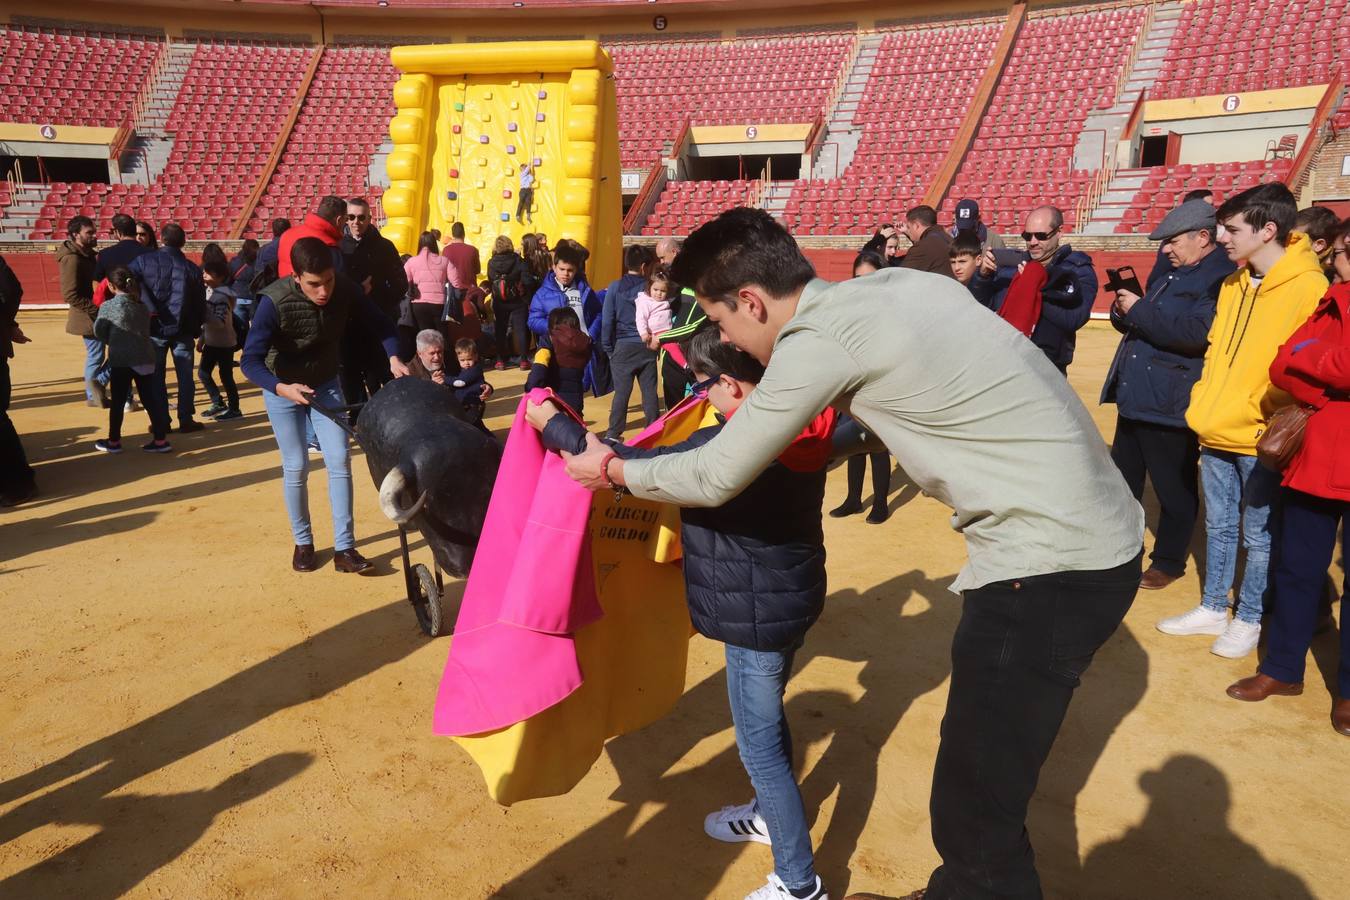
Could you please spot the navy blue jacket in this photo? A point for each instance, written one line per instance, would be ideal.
(754, 568)
(1166, 333)
(119, 254)
(619, 317)
(171, 284)
(1066, 300)
(268, 255)
(471, 393)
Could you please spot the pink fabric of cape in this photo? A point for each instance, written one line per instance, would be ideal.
(531, 587)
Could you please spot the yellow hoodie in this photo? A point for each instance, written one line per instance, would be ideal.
(1233, 398)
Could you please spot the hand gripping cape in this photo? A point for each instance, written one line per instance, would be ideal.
(573, 628)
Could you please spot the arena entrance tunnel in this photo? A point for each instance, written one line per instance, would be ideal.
(472, 116)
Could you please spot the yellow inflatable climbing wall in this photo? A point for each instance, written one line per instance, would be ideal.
(471, 116)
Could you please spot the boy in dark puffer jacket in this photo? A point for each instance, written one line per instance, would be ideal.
(754, 573)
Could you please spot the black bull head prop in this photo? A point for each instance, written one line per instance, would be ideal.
(434, 470)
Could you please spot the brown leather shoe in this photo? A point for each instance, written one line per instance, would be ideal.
(1259, 686)
(1340, 717)
(303, 560)
(1156, 579)
(351, 561)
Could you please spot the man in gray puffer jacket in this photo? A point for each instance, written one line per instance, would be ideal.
(123, 324)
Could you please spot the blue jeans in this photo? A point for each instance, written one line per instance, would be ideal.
(289, 421)
(183, 367)
(95, 369)
(1238, 492)
(755, 683)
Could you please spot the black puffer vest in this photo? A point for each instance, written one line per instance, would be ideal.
(308, 342)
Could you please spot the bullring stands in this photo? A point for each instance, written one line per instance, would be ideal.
(40, 82)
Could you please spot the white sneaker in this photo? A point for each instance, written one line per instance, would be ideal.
(776, 890)
(734, 824)
(1237, 640)
(1201, 620)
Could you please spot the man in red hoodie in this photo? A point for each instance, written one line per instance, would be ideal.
(325, 223)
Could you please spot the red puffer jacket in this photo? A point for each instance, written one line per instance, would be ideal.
(1314, 366)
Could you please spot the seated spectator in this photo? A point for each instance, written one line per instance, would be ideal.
(1314, 367)
(928, 250)
(1259, 306)
(1321, 226)
(963, 255)
(1054, 297)
(429, 362)
(1150, 380)
(968, 219)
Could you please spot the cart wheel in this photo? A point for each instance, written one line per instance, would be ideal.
(427, 604)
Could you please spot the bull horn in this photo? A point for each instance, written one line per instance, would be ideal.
(393, 485)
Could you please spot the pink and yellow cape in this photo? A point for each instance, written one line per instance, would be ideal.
(573, 628)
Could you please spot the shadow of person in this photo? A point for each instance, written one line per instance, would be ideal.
(891, 681)
(624, 849)
(139, 833)
(1112, 687)
(306, 671)
(1184, 847)
(612, 857)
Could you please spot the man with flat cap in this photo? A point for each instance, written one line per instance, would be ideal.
(1150, 380)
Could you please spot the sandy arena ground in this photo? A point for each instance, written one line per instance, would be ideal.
(184, 716)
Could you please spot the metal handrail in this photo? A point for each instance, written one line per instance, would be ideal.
(1302, 164)
(1144, 27)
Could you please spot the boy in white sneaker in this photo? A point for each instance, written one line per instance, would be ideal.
(1260, 305)
(754, 573)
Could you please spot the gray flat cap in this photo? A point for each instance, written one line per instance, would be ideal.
(1192, 215)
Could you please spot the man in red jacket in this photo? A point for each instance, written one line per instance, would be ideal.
(325, 223)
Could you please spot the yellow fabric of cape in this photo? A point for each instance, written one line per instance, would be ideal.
(633, 659)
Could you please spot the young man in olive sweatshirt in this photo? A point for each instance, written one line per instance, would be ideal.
(1259, 306)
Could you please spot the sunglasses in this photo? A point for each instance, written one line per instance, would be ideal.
(361, 218)
(701, 388)
(1039, 235)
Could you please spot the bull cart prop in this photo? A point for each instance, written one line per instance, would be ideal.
(414, 436)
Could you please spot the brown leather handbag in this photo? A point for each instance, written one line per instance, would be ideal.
(1280, 442)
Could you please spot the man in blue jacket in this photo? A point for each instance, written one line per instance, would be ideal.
(172, 285)
(566, 285)
(1150, 380)
(629, 356)
(1070, 288)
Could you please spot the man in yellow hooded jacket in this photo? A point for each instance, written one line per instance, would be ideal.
(1260, 305)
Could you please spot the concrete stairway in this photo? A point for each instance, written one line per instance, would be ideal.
(775, 198)
(841, 134)
(147, 155)
(23, 211)
(1115, 200)
(1102, 129)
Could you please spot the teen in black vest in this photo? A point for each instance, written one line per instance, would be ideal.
(293, 349)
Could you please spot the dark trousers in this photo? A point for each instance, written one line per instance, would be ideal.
(16, 475)
(881, 478)
(1019, 651)
(512, 330)
(524, 203)
(1170, 458)
(1307, 539)
(632, 360)
(153, 397)
(221, 358)
(364, 369)
(181, 349)
(428, 315)
(674, 380)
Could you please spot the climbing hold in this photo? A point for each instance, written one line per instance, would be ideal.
(515, 104)
(482, 160)
(459, 107)
(454, 129)
(487, 117)
(479, 184)
(482, 139)
(451, 195)
(538, 162)
(543, 95)
(506, 217)
(511, 126)
(454, 173)
(506, 194)
(515, 82)
(487, 95)
(539, 117)
(510, 148)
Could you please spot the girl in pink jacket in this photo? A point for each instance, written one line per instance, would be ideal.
(653, 308)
